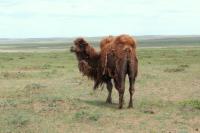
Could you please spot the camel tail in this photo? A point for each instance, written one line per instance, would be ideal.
(128, 51)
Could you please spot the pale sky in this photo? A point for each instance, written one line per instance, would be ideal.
(71, 18)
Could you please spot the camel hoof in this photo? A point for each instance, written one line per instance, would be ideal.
(109, 101)
(120, 107)
(129, 107)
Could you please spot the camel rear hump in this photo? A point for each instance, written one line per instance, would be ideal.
(126, 40)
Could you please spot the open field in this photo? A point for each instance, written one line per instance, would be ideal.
(45, 93)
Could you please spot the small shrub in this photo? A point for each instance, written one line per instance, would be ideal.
(7, 58)
(7, 103)
(54, 71)
(12, 75)
(46, 66)
(42, 98)
(60, 66)
(94, 117)
(46, 74)
(5, 74)
(171, 70)
(20, 75)
(191, 103)
(21, 58)
(183, 66)
(84, 115)
(34, 86)
(52, 104)
(148, 111)
(147, 56)
(81, 115)
(18, 119)
(179, 68)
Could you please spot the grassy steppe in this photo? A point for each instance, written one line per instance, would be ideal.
(45, 93)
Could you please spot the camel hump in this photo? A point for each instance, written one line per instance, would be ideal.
(126, 40)
(106, 41)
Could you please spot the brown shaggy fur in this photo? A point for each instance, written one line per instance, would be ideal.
(116, 59)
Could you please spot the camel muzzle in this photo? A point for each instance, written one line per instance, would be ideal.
(72, 49)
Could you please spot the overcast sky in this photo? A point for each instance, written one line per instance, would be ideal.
(70, 18)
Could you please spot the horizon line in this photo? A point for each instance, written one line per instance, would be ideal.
(62, 37)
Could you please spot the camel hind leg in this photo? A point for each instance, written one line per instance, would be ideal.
(131, 91)
(120, 86)
(119, 81)
(132, 72)
(109, 87)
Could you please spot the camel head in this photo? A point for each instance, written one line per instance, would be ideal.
(87, 58)
(80, 49)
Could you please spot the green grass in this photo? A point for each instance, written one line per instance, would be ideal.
(194, 104)
(44, 92)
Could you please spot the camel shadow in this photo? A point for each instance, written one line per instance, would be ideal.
(100, 103)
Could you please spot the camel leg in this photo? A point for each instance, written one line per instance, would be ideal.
(109, 88)
(120, 86)
(132, 72)
(121, 96)
(131, 91)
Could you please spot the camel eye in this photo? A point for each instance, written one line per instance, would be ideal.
(81, 45)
